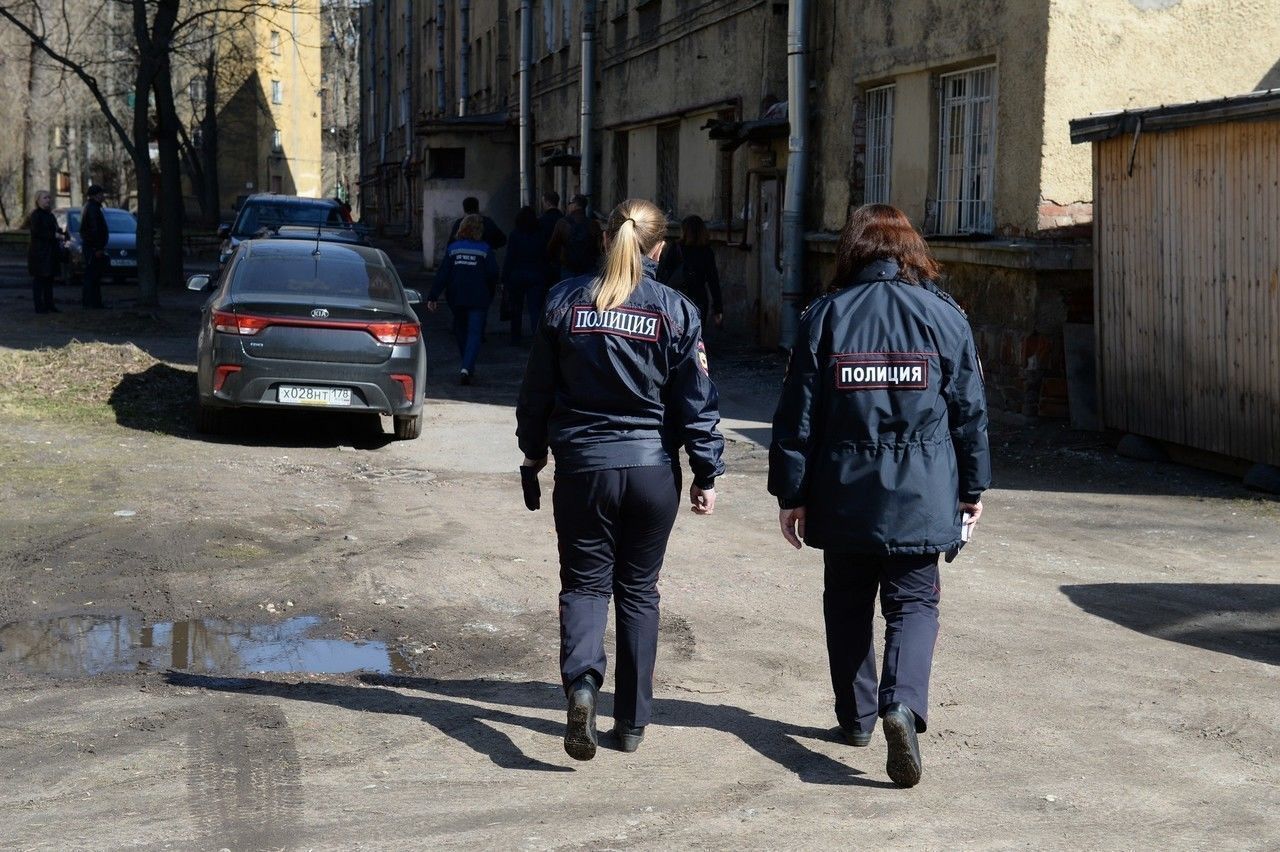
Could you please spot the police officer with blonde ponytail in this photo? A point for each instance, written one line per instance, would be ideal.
(617, 383)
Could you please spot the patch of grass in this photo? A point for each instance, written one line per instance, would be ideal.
(95, 383)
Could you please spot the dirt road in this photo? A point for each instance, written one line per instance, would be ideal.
(1105, 678)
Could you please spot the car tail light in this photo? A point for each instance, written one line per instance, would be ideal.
(406, 383)
(395, 332)
(384, 332)
(232, 323)
(220, 374)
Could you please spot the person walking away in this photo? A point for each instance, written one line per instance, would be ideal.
(468, 276)
(879, 459)
(576, 241)
(551, 215)
(493, 236)
(44, 255)
(93, 245)
(616, 384)
(690, 267)
(524, 273)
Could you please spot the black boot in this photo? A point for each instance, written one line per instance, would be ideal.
(854, 737)
(904, 749)
(580, 739)
(628, 736)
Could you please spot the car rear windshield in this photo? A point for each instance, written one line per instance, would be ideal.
(340, 274)
(120, 222)
(268, 214)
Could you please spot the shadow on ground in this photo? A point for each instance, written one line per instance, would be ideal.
(473, 725)
(1242, 619)
(162, 399)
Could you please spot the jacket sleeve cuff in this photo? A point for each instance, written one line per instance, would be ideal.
(971, 498)
(790, 502)
(706, 483)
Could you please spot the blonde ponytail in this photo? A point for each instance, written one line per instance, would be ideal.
(635, 226)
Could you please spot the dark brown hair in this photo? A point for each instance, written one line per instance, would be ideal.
(882, 232)
(693, 231)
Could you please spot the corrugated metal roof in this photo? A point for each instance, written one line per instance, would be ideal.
(1105, 125)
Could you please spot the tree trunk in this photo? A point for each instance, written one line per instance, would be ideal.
(172, 208)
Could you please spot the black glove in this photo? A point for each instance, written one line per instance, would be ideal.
(532, 491)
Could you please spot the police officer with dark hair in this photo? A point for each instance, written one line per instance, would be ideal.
(93, 245)
(879, 459)
(616, 383)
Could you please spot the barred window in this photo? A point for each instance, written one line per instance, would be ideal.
(966, 152)
(879, 144)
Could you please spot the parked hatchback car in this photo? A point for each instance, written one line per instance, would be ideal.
(264, 213)
(298, 324)
(122, 243)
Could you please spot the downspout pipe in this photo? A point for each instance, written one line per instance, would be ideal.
(797, 170)
(442, 91)
(586, 138)
(408, 124)
(464, 58)
(526, 103)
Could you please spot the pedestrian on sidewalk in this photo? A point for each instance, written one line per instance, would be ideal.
(879, 459)
(689, 267)
(468, 276)
(616, 384)
(93, 246)
(44, 255)
(524, 273)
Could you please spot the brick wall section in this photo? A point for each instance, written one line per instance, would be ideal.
(1017, 317)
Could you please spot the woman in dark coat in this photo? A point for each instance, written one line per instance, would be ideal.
(879, 459)
(524, 272)
(690, 267)
(44, 256)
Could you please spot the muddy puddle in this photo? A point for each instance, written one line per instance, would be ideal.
(87, 645)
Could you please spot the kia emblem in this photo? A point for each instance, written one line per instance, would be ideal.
(319, 313)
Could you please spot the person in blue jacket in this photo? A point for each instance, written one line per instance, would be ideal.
(879, 459)
(468, 276)
(617, 383)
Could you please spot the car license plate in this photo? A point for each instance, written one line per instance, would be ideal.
(123, 261)
(313, 396)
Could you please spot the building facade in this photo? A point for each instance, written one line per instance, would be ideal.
(957, 113)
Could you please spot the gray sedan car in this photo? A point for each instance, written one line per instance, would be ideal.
(310, 324)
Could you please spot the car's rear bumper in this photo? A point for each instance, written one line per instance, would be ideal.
(257, 381)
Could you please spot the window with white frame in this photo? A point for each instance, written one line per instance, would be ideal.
(277, 142)
(277, 92)
(966, 152)
(274, 43)
(879, 144)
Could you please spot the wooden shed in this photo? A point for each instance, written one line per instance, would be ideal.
(1187, 272)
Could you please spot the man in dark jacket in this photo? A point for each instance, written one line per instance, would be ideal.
(493, 236)
(551, 215)
(468, 276)
(93, 245)
(44, 255)
(880, 458)
(576, 242)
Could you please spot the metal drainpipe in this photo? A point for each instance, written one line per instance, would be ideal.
(797, 169)
(408, 123)
(586, 141)
(526, 102)
(442, 96)
(464, 60)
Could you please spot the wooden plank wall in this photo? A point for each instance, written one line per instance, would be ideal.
(1187, 270)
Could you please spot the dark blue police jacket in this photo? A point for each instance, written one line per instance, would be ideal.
(881, 429)
(620, 388)
(467, 276)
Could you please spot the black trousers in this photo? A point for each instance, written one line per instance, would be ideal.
(909, 590)
(42, 292)
(91, 287)
(613, 527)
